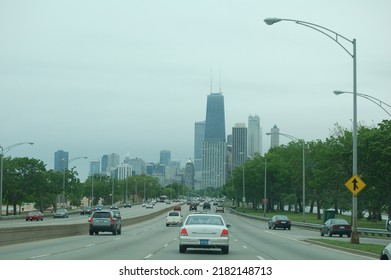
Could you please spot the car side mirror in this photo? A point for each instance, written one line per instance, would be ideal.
(228, 226)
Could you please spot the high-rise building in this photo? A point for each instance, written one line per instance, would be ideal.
(138, 165)
(239, 145)
(105, 164)
(165, 157)
(61, 159)
(94, 167)
(189, 174)
(113, 162)
(254, 142)
(274, 137)
(124, 171)
(199, 136)
(214, 146)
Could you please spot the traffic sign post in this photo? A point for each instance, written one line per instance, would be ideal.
(355, 184)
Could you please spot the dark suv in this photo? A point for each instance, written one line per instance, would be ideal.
(205, 206)
(104, 220)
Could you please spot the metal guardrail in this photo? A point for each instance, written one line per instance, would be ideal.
(361, 231)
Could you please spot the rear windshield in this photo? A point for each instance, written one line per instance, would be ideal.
(207, 220)
(102, 215)
(173, 214)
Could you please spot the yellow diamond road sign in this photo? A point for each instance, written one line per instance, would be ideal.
(355, 184)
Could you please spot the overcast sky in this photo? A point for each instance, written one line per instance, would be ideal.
(132, 77)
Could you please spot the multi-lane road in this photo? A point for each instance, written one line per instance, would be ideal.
(151, 240)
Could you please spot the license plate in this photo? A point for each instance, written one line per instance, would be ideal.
(283, 222)
(203, 242)
(342, 227)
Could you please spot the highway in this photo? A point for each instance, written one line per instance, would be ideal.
(151, 240)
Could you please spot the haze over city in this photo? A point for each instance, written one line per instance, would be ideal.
(132, 77)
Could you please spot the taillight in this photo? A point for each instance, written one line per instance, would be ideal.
(112, 220)
(90, 219)
(183, 232)
(224, 233)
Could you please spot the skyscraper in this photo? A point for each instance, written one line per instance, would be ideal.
(214, 146)
(199, 136)
(274, 137)
(94, 167)
(165, 157)
(254, 143)
(61, 159)
(239, 145)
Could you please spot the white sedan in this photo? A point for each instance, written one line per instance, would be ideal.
(202, 230)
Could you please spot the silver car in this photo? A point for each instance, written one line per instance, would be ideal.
(202, 230)
(386, 253)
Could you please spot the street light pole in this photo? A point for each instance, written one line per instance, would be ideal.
(335, 37)
(303, 155)
(264, 193)
(3, 152)
(375, 100)
(244, 186)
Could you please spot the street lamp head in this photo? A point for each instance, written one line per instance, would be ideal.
(338, 92)
(271, 21)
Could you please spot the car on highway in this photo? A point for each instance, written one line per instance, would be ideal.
(386, 253)
(206, 206)
(219, 207)
(34, 216)
(117, 213)
(279, 221)
(85, 210)
(177, 207)
(128, 205)
(336, 226)
(104, 221)
(61, 213)
(149, 205)
(173, 218)
(193, 206)
(204, 231)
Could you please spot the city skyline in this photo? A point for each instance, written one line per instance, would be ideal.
(131, 77)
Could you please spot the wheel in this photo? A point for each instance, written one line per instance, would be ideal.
(340, 235)
(91, 232)
(115, 231)
(330, 234)
(225, 249)
(182, 249)
(348, 235)
(321, 233)
(289, 228)
(119, 230)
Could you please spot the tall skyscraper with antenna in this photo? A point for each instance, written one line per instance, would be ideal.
(214, 146)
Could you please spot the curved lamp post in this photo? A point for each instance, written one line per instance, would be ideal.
(336, 38)
(296, 139)
(244, 186)
(63, 178)
(375, 100)
(3, 152)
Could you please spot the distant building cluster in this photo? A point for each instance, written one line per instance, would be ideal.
(216, 154)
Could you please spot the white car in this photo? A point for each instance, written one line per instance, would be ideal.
(173, 218)
(203, 230)
(149, 205)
